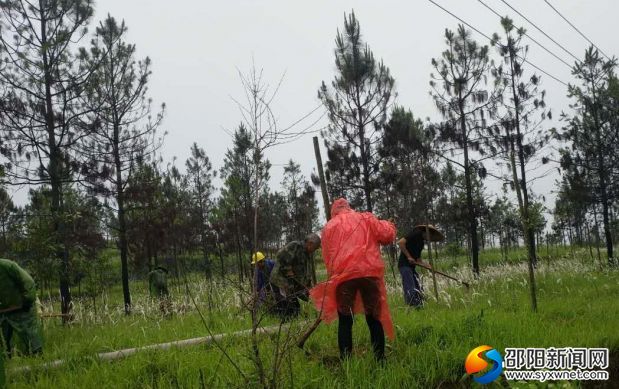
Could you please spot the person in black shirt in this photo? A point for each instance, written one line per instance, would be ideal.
(411, 247)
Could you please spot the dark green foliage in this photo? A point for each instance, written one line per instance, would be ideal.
(458, 89)
(123, 132)
(591, 159)
(408, 182)
(199, 181)
(42, 90)
(236, 203)
(357, 103)
(301, 211)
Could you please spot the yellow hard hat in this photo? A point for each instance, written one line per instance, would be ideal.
(257, 257)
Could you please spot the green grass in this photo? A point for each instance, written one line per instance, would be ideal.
(578, 307)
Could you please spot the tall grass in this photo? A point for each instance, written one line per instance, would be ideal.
(578, 307)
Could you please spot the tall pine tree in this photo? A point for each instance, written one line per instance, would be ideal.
(41, 88)
(357, 104)
(459, 91)
(124, 132)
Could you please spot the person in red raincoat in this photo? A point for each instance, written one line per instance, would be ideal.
(351, 250)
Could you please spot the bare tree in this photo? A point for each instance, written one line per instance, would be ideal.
(261, 123)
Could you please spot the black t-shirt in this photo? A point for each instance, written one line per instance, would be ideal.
(414, 245)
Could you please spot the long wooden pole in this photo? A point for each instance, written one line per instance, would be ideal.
(428, 205)
(323, 183)
(325, 199)
(9, 309)
(443, 274)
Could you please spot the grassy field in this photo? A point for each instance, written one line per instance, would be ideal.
(578, 307)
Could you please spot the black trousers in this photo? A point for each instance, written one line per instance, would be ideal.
(370, 295)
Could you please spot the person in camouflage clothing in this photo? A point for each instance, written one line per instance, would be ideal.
(158, 287)
(291, 274)
(18, 311)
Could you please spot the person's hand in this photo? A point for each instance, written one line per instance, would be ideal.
(424, 264)
(412, 261)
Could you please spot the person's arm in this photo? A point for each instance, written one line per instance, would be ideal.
(281, 270)
(409, 256)
(383, 230)
(275, 277)
(402, 244)
(26, 285)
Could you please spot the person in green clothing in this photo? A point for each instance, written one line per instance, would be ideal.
(291, 275)
(158, 287)
(18, 311)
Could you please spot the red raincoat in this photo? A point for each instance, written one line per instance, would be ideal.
(350, 248)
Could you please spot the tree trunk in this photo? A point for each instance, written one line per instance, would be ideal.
(238, 246)
(597, 235)
(603, 185)
(221, 257)
(55, 161)
(474, 249)
(122, 223)
(323, 183)
(529, 235)
(365, 162)
(366, 171)
(122, 234)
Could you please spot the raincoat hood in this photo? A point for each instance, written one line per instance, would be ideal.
(340, 206)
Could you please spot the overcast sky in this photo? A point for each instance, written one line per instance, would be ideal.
(196, 47)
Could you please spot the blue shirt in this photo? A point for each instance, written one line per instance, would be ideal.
(264, 274)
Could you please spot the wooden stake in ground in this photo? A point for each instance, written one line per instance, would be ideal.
(327, 204)
(430, 260)
(323, 183)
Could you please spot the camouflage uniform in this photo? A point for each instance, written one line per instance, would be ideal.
(291, 268)
(158, 287)
(18, 295)
(291, 275)
(158, 283)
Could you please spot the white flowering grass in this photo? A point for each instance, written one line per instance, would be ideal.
(577, 301)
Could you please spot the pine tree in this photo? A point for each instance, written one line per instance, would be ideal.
(593, 135)
(124, 131)
(357, 105)
(458, 89)
(200, 184)
(41, 88)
